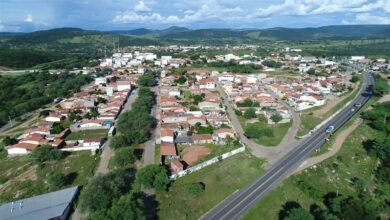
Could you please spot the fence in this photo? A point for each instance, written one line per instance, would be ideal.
(207, 163)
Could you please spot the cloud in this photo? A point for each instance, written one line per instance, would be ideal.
(142, 7)
(207, 11)
(29, 18)
(313, 7)
(367, 18)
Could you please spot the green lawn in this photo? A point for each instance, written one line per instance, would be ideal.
(28, 179)
(221, 180)
(87, 134)
(332, 175)
(280, 130)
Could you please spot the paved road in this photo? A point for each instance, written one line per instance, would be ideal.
(238, 204)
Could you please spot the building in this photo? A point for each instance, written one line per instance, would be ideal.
(167, 135)
(202, 138)
(168, 151)
(176, 166)
(55, 205)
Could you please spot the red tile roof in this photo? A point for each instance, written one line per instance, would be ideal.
(168, 149)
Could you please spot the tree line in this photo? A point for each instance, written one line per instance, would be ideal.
(28, 92)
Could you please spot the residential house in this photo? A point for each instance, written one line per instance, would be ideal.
(176, 166)
(202, 138)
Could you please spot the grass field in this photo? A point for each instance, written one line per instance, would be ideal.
(25, 179)
(87, 134)
(280, 130)
(221, 180)
(332, 175)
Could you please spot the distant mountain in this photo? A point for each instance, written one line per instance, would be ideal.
(182, 35)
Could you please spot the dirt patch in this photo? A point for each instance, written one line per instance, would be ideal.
(29, 174)
(192, 154)
(330, 104)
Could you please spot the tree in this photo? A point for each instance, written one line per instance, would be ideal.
(46, 153)
(123, 157)
(181, 80)
(128, 207)
(276, 117)
(250, 113)
(195, 188)
(354, 79)
(237, 112)
(57, 180)
(262, 118)
(118, 141)
(298, 214)
(44, 113)
(380, 87)
(100, 193)
(9, 141)
(153, 176)
(311, 71)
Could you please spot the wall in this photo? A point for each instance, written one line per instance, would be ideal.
(207, 163)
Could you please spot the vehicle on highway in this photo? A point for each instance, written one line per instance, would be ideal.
(352, 110)
(329, 130)
(358, 105)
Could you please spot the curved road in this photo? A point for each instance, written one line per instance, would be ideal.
(238, 204)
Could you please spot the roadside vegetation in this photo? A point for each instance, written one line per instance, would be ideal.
(352, 185)
(193, 195)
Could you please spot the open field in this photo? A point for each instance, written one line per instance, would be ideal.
(332, 175)
(220, 179)
(87, 134)
(22, 178)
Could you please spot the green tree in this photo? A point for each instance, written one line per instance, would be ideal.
(298, 214)
(103, 190)
(9, 141)
(250, 113)
(46, 153)
(354, 79)
(153, 176)
(276, 117)
(118, 141)
(195, 188)
(380, 87)
(128, 207)
(57, 180)
(262, 118)
(123, 157)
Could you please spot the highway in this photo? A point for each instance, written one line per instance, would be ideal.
(235, 206)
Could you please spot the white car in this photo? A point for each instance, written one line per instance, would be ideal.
(352, 110)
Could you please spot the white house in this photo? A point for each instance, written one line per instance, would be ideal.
(54, 117)
(91, 124)
(100, 80)
(92, 143)
(123, 85)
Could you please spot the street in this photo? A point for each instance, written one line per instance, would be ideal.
(235, 206)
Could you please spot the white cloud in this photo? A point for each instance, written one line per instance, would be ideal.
(367, 18)
(142, 7)
(312, 7)
(29, 18)
(208, 10)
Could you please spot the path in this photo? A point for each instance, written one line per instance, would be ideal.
(271, 154)
(339, 140)
(108, 152)
(150, 145)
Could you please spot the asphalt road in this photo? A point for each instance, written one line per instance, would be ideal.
(235, 206)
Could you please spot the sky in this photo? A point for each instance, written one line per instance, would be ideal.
(32, 15)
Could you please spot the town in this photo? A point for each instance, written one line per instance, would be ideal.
(173, 113)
